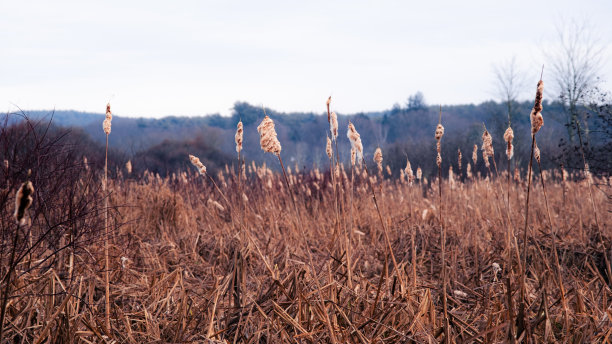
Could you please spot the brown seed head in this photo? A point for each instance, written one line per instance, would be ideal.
(355, 139)
(198, 164)
(333, 125)
(23, 200)
(238, 137)
(409, 173)
(536, 153)
(419, 173)
(508, 137)
(459, 158)
(439, 160)
(353, 155)
(537, 121)
(487, 144)
(439, 132)
(378, 158)
(128, 166)
(106, 125)
(475, 154)
(328, 148)
(267, 136)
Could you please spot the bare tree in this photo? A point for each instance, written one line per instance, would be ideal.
(510, 82)
(576, 63)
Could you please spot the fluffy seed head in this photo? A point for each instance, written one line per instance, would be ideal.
(23, 200)
(439, 131)
(128, 166)
(475, 154)
(487, 144)
(409, 173)
(537, 121)
(238, 137)
(328, 148)
(508, 137)
(327, 103)
(378, 158)
(419, 173)
(106, 125)
(353, 155)
(198, 164)
(355, 139)
(439, 160)
(333, 125)
(536, 152)
(267, 136)
(469, 170)
(459, 158)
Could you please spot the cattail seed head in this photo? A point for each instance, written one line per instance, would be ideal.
(487, 144)
(128, 166)
(198, 164)
(537, 121)
(378, 158)
(333, 125)
(439, 131)
(355, 139)
(475, 154)
(267, 136)
(238, 137)
(459, 158)
(23, 200)
(353, 155)
(439, 160)
(508, 137)
(469, 170)
(409, 173)
(389, 170)
(328, 148)
(106, 125)
(419, 173)
(536, 152)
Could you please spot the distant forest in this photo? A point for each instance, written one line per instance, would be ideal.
(403, 132)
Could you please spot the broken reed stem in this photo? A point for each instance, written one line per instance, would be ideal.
(554, 247)
(521, 320)
(106, 235)
(607, 261)
(443, 248)
(307, 247)
(386, 233)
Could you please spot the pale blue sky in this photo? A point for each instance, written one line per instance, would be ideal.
(156, 58)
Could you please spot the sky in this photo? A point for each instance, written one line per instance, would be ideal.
(158, 58)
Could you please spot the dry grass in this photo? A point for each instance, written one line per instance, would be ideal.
(185, 270)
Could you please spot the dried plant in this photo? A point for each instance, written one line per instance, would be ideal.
(378, 159)
(267, 137)
(238, 137)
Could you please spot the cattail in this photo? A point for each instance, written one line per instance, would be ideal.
(419, 173)
(485, 157)
(198, 164)
(459, 158)
(389, 171)
(475, 154)
(487, 145)
(128, 166)
(333, 125)
(238, 137)
(402, 176)
(537, 121)
(216, 204)
(106, 125)
(23, 201)
(508, 137)
(439, 160)
(355, 139)
(378, 158)
(267, 136)
(439, 132)
(536, 152)
(469, 170)
(409, 173)
(328, 148)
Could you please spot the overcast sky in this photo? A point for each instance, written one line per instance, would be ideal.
(157, 58)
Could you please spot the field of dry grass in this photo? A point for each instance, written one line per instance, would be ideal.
(190, 262)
